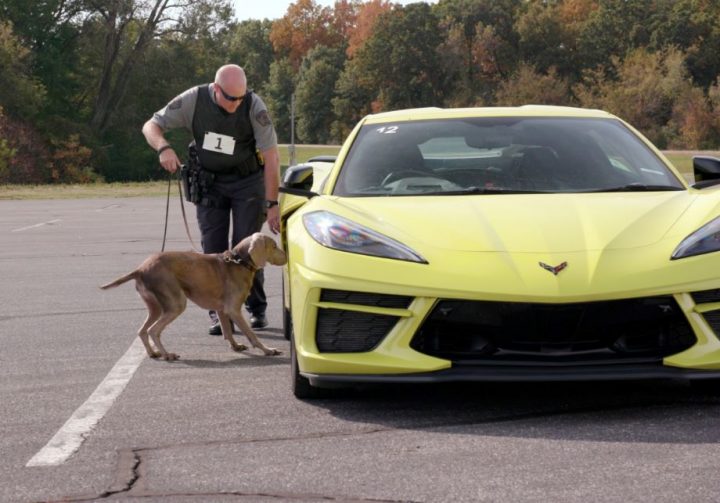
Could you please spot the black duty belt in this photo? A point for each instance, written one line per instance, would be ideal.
(246, 168)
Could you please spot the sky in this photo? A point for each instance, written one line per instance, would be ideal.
(274, 9)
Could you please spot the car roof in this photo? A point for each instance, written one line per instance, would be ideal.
(414, 114)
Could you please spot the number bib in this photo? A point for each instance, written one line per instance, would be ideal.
(220, 143)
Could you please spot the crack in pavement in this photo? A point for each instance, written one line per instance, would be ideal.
(129, 480)
(67, 313)
(129, 483)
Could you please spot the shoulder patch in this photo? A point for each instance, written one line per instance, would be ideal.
(263, 118)
(175, 104)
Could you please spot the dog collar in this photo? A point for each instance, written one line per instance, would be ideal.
(246, 262)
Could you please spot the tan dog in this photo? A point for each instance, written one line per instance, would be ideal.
(220, 282)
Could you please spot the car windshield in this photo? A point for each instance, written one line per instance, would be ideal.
(500, 156)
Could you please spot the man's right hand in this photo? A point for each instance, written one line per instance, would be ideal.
(169, 160)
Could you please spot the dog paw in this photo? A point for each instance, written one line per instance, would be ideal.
(171, 357)
(240, 348)
(273, 352)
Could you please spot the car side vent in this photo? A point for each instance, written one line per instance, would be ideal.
(366, 299)
(713, 319)
(340, 331)
(706, 296)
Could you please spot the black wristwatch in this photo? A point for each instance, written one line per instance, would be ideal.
(270, 204)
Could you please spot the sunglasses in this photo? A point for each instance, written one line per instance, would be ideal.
(228, 97)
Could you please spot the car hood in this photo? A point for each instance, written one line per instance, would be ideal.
(524, 223)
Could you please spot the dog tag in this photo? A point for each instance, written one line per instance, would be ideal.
(220, 143)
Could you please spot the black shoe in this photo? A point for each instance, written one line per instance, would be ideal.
(216, 329)
(258, 321)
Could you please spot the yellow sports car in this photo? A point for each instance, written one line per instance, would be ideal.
(499, 244)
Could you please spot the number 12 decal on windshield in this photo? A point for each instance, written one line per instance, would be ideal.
(387, 130)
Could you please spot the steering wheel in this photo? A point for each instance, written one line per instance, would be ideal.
(405, 173)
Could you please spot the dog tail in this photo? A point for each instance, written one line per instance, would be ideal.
(120, 280)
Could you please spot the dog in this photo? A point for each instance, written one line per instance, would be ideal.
(219, 282)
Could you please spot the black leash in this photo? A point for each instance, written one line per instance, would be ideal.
(167, 212)
(182, 207)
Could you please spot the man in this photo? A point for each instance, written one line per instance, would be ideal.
(229, 126)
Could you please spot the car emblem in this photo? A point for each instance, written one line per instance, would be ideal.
(555, 270)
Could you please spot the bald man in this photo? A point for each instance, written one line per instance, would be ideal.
(228, 124)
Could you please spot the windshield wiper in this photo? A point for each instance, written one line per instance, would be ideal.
(482, 190)
(638, 187)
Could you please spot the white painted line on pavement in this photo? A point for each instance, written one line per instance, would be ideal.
(50, 222)
(74, 432)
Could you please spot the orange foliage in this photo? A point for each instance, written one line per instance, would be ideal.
(576, 11)
(366, 16)
(305, 25)
(344, 17)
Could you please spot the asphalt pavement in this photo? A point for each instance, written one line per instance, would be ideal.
(223, 426)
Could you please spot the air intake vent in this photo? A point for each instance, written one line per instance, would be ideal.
(713, 319)
(706, 296)
(366, 299)
(341, 331)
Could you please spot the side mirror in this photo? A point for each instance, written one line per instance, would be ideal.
(298, 181)
(706, 170)
(299, 176)
(323, 158)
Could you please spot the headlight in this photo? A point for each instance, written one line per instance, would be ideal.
(339, 233)
(704, 240)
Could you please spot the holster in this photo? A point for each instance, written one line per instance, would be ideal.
(196, 181)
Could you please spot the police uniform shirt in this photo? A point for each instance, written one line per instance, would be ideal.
(179, 114)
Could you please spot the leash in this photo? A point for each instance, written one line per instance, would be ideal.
(182, 207)
(167, 212)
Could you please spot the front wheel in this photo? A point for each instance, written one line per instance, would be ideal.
(300, 385)
(706, 386)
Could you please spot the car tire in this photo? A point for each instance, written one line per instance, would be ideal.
(706, 386)
(287, 320)
(287, 324)
(301, 386)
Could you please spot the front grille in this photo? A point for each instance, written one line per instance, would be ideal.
(341, 331)
(510, 332)
(713, 319)
(706, 296)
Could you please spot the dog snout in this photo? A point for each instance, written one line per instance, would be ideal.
(278, 257)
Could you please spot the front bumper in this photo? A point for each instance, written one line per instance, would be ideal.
(516, 374)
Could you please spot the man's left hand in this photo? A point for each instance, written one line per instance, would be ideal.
(273, 219)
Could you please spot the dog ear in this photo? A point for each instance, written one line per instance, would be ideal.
(257, 250)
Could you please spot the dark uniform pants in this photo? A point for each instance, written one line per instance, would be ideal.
(243, 199)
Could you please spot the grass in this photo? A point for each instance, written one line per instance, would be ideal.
(136, 189)
(680, 159)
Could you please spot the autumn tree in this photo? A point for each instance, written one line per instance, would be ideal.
(693, 26)
(615, 28)
(401, 60)
(250, 47)
(305, 25)
(127, 28)
(367, 14)
(21, 92)
(314, 92)
(643, 93)
(528, 86)
(278, 96)
(479, 47)
(354, 94)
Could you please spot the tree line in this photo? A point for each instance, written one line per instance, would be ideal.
(79, 77)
